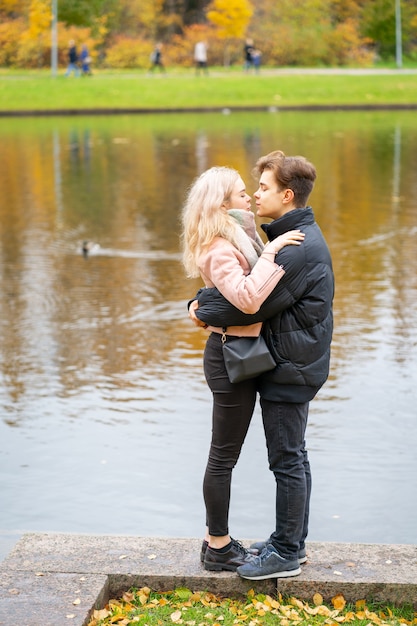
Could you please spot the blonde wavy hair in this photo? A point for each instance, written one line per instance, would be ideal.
(204, 215)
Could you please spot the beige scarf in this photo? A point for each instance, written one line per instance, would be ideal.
(248, 241)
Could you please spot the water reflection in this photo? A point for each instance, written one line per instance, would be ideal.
(105, 412)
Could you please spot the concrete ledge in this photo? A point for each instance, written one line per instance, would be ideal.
(57, 579)
(411, 106)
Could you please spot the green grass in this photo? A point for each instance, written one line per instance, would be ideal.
(20, 91)
(147, 608)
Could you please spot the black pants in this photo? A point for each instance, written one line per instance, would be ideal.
(233, 406)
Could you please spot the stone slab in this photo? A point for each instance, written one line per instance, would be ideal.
(50, 599)
(45, 573)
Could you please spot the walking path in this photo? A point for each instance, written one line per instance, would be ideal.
(59, 579)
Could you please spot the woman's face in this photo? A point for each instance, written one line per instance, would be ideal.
(239, 199)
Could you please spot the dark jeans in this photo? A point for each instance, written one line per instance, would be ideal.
(233, 406)
(285, 426)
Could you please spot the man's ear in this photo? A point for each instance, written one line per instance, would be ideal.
(288, 196)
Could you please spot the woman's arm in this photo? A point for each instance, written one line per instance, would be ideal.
(215, 310)
(222, 266)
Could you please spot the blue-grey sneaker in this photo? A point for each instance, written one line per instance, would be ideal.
(269, 564)
(260, 545)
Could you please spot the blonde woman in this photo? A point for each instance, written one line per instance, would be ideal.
(220, 244)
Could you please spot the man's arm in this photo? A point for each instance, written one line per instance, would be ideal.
(215, 310)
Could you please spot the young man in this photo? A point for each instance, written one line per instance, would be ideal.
(72, 59)
(298, 325)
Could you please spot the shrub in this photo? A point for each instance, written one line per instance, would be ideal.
(346, 47)
(219, 51)
(128, 52)
(10, 34)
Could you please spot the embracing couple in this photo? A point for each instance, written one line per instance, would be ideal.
(283, 290)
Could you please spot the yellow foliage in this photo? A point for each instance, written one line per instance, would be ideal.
(140, 18)
(231, 17)
(13, 6)
(128, 52)
(40, 17)
(10, 34)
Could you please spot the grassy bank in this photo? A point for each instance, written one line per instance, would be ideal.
(20, 91)
(146, 608)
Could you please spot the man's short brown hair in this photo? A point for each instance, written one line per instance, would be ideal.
(295, 173)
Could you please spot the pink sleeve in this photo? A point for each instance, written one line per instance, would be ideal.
(222, 266)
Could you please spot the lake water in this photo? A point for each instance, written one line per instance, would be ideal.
(105, 413)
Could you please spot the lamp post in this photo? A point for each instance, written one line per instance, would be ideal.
(398, 34)
(54, 38)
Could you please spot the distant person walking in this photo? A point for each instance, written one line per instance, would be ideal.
(72, 59)
(248, 54)
(200, 57)
(156, 58)
(256, 60)
(85, 61)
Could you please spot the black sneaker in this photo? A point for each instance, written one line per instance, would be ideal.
(215, 561)
(260, 545)
(204, 547)
(269, 564)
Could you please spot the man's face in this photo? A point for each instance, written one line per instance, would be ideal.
(269, 199)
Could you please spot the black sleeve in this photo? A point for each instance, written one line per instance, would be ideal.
(215, 310)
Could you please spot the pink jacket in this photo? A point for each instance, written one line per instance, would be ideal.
(225, 267)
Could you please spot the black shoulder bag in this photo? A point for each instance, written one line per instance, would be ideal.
(246, 357)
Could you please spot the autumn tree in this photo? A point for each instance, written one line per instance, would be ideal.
(40, 17)
(195, 11)
(35, 40)
(290, 32)
(343, 10)
(13, 8)
(231, 19)
(378, 23)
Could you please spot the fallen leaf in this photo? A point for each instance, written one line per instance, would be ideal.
(152, 556)
(296, 602)
(337, 573)
(123, 556)
(176, 617)
(128, 597)
(323, 610)
(70, 616)
(77, 601)
(39, 574)
(339, 602)
(318, 599)
(183, 593)
(101, 614)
